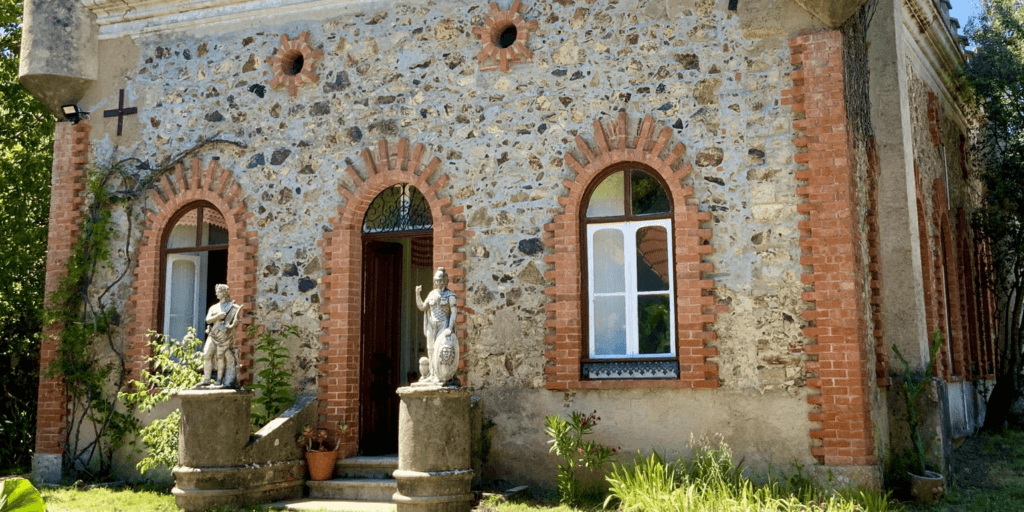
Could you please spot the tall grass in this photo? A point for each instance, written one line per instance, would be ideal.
(711, 481)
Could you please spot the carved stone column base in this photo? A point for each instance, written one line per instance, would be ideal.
(435, 491)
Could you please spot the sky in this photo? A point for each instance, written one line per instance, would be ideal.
(963, 10)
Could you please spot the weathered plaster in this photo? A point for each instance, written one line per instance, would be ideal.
(902, 288)
(639, 420)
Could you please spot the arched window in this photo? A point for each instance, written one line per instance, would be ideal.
(195, 254)
(630, 311)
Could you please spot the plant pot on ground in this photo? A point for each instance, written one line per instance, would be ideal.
(320, 445)
(925, 486)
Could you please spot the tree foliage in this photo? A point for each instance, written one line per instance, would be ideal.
(26, 153)
(996, 75)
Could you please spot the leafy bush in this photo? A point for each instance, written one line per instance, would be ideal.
(175, 366)
(577, 455)
(274, 385)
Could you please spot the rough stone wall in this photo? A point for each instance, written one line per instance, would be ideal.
(397, 70)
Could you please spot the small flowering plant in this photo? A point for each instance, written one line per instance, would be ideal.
(567, 442)
(321, 439)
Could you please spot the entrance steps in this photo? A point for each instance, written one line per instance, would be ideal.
(359, 479)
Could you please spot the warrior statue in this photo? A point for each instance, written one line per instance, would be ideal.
(439, 328)
(221, 321)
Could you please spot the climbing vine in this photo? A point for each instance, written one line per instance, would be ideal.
(85, 313)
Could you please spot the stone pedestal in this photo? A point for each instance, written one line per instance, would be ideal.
(434, 472)
(214, 427)
(221, 465)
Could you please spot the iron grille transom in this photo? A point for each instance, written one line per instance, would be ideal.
(399, 208)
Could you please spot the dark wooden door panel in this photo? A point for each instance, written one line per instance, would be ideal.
(381, 345)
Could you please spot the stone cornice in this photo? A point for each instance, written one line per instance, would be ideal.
(121, 17)
(937, 45)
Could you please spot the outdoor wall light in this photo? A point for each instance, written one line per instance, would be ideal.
(73, 113)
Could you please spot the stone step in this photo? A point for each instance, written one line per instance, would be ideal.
(381, 466)
(311, 504)
(356, 489)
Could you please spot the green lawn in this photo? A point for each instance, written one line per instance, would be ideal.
(72, 499)
(989, 478)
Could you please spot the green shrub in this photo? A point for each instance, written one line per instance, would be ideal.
(578, 456)
(174, 366)
(273, 387)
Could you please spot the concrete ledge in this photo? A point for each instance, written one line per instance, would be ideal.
(357, 489)
(366, 467)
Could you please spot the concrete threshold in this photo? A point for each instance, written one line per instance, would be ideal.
(334, 505)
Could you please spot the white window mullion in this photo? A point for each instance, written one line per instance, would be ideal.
(632, 314)
(182, 305)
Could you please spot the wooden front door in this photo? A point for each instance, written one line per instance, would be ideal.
(381, 348)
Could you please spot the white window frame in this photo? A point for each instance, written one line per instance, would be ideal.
(629, 230)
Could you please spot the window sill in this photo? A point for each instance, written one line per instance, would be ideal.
(632, 369)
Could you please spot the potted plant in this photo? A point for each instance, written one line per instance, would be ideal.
(925, 486)
(320, 445)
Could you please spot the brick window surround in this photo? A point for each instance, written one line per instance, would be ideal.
(177, 191)
(696, 306)
(492, 56)
(285, 58)
(840, 367)
(70, 154)
(341, 286)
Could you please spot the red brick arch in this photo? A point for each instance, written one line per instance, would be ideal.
(696, 307)
(341, 286)
(178, 190)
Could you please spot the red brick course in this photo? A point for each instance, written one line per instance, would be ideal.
(875, 270)
(830, 246)
(341, 286)
(179, 190)
(70, 154)
(934, 120)
(952, 321)
(696, 306)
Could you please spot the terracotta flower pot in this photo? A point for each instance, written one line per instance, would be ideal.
(928, 488)
(321, 464)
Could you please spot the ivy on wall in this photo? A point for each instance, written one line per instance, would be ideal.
(86, 313)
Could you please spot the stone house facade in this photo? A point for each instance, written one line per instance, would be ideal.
(790, 179)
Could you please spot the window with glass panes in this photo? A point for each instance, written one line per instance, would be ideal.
(630, 292)
(196, 259)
